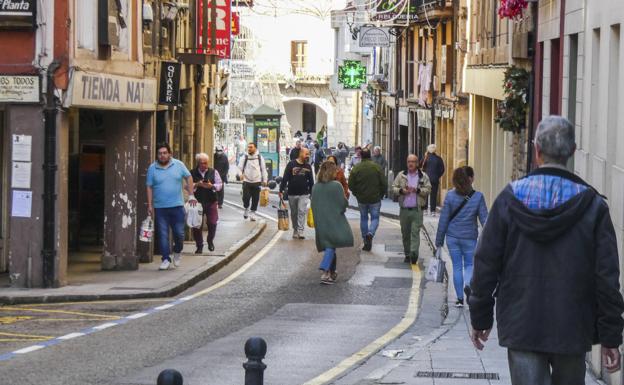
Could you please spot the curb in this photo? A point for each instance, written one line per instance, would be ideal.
(175, 289)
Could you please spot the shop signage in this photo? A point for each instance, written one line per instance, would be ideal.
(17, 13)
(352, 74)
(223, 23)
(111, 92)
(19, 89)
(235, 23)
(240, 69)
(169, 84)
(374, 37)
(389, 10)
(424, 117)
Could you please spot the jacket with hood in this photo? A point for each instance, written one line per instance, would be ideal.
(553, 273)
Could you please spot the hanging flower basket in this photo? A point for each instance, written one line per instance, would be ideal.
(511, 113)
(512, 9)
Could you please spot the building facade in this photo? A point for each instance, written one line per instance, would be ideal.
(84, 139)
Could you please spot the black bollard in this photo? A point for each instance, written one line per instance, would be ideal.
(255, 350)
(169, 377)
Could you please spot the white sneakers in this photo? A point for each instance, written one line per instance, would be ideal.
(177, 259)
(246, 214)
(252, 216)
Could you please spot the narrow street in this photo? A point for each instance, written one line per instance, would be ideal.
(309, 328)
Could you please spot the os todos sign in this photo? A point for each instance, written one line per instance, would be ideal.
(374, 37)
(19, 89)
(169, 84)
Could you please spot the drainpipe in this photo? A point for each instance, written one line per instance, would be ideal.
(48, 252)
(532, 88)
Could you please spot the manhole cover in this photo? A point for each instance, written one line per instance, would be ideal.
(459, 375)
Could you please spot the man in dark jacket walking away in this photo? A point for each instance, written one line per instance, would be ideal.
(369, 185)
(297, 181)
(548, 259)
(208, 183)
(222, 165)
(433, 165)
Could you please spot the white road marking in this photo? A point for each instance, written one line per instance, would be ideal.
(164, 307)
(136, 316)
(105, 326)
(29, 349)
(70, 336)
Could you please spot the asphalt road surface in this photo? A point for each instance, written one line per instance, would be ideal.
(309, 327)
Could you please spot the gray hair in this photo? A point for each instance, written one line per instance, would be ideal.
(554, 139)
(377, 148)
(202, 155)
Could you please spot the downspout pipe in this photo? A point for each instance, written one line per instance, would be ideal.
(532, 88)
(48, 252)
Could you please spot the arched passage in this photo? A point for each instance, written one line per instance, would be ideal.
(308, 114)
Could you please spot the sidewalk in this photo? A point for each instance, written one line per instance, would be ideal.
(443, 356)
(87, 282)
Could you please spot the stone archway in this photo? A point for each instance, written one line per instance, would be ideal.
(293, 107)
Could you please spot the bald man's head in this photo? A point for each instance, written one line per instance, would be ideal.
(412, 163)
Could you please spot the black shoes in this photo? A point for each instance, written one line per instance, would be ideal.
(368, 242)
(211, 246)
(199, 250)
(459, 303)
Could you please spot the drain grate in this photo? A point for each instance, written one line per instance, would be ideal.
(394, 248)
(460, 375)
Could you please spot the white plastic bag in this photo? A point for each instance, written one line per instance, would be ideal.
(146, 232)
(194, 215)
(437, 267)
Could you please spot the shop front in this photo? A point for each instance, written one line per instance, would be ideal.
(21, 175)
(110, 140)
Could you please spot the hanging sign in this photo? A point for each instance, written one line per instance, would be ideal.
(169, 84)
(374, 37)
(223, 24)
(352, 74)
(17, 13)
(235, 23)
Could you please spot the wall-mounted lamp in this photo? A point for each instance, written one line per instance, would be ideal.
(148, 14)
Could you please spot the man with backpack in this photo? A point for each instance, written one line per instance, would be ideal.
(253, 175)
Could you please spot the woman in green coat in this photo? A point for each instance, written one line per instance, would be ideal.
(330, 224)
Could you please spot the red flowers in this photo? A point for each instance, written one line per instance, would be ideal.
(512, 8)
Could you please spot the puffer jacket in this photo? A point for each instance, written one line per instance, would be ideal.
(400, 182)
(552, 273)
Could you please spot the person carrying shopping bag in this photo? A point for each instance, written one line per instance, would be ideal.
(297, 182)
(330, 223)
(458, 223)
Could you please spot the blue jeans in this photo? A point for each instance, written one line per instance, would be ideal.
(329, 260)
(170, 217)
(462, 252)
(365, 209)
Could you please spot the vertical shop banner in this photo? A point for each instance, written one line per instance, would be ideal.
(169, 87)
(223, 23)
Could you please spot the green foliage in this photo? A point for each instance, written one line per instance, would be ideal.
(511, 113)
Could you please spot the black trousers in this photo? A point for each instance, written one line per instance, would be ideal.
(220, 196)
(433, 197)
(251, 192)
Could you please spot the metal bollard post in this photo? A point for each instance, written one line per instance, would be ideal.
(170, 377)
(255, 350)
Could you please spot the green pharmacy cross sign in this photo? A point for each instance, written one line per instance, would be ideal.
(352, 74)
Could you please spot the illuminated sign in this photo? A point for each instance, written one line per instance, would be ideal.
(352, 74)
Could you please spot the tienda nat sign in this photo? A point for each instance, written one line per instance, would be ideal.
(223, 28)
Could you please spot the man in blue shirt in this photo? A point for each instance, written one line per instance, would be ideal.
(165, 179)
